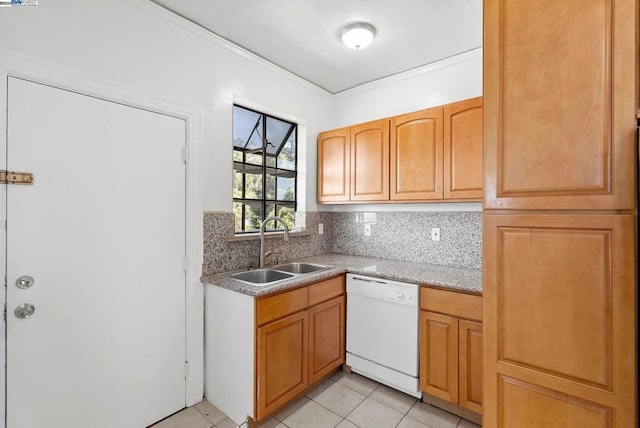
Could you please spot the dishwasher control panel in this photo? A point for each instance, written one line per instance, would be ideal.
(383, 289)
(402, 295)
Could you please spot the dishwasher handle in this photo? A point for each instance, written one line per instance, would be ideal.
(369, 280)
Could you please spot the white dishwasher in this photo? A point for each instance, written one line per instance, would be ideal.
(382, 331)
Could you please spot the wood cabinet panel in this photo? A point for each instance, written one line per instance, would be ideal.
(327, 289)
(370, 161)
(560, 96)
(453, 303)
(300, 338)
(529, 406)
(559, 296)
(273, 307)
(282, 362)
(470, 369)
(559, 99)
(439, 355)
(334, 165)
(463, 139)
(402, 158)
(451, 347)
(416, 155)
(326, 338)
(568, 311)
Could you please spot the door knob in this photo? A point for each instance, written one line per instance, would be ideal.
(25, 281)
(24, 311)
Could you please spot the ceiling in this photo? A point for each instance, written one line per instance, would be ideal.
(302, 36)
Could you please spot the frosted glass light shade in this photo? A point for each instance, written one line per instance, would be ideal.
(357, 36)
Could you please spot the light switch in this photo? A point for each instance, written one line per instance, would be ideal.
(320, 228)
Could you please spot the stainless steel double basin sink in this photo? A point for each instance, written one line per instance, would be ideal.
(267, 276)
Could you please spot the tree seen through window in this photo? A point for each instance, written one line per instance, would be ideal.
(264, 169)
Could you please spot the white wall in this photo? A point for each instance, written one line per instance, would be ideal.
(137, 43)
(453, 79)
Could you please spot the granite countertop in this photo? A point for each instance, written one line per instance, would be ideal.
(446, 277)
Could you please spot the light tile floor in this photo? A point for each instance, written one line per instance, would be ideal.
(342, 401)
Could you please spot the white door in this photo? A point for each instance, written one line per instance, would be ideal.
(102, 233)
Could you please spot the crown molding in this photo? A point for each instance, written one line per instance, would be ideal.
(405, 75)
(205, 34)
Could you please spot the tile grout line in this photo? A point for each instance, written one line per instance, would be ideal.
(340, 416)
(344, 418)
(360, 403)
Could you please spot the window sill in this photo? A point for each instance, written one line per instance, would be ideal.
(267, 235)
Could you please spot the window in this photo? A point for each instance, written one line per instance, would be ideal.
(264, 170)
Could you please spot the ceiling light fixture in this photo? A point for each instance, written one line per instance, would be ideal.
(357, 35)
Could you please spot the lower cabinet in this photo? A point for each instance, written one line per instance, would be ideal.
(451, 347)
(299, 340)
(470, 368)
(282, 359)
(326, 338)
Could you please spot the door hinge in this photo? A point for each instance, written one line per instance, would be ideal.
(14, 177)
(185, 263)
(5, 313)
(185, 154)
(186, 370)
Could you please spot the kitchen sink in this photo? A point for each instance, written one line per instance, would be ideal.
(299, 267)
(267, 276)
(261, 276)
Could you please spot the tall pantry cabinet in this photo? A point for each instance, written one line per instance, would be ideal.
(560, 213)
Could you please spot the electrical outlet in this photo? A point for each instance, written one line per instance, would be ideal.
(367, 230)
(320, 228)
(435, 234)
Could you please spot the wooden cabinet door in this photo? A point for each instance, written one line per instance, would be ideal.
(560, 318)
(463, 149)
(416, 155)
(326, 338)
(370, 161)
(282, 362)
(439, 355)
(334, 165)
(559, 104)
(470, 366)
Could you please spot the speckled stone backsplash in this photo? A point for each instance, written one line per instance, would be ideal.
(222, 253)
(407, 236)
(394, 235)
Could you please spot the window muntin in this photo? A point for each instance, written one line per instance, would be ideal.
(264, 169)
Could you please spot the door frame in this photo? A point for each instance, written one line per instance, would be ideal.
(14, 64)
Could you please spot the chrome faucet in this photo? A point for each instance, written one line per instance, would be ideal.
(262, 226)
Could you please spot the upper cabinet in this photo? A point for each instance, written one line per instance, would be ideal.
(370, 161)
(559, 94)
(429, 155)
(463, 149)
(416, 155)
(334, 155)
